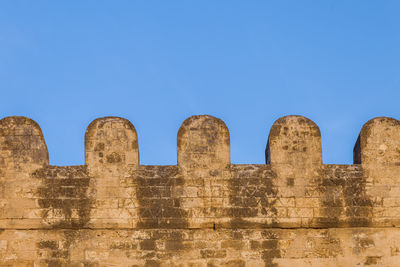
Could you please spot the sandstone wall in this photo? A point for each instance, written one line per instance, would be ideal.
(204, 211)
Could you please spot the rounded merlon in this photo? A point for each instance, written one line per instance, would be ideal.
(111, 140)
(203, 140)
(294, 140)
(378, 142)
(24, 139)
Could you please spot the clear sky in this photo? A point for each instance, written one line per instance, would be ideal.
(65, 63)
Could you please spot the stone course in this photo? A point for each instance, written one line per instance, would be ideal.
(292, 211)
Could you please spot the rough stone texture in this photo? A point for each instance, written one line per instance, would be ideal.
(204, 211)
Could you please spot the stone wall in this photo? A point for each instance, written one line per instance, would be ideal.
(204, 211)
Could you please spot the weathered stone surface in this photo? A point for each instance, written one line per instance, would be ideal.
(379, 143)
(111, 141)
(111, 151)
(201, 247)
(203, 141)
(204, 211)
(294, 140)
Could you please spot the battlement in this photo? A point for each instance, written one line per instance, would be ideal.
(290, 135)
(294, 189)
(294, 193)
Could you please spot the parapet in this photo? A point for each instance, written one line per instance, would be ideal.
(279, 207)
(293, 189)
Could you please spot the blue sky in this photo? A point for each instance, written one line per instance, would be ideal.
(65, 63)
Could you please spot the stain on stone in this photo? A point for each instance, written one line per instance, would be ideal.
(372, 260)
(362, 242)
(50, 244)
(235, 263)
(114, 158)
(63, 196)
(252, 194)
(358, 205)
(152, 263)
(344, 201)
(148, 245)
(270, 248)
(159, 207)
(254, 185)
(59, 250)
(329, 246)
(99, 147)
